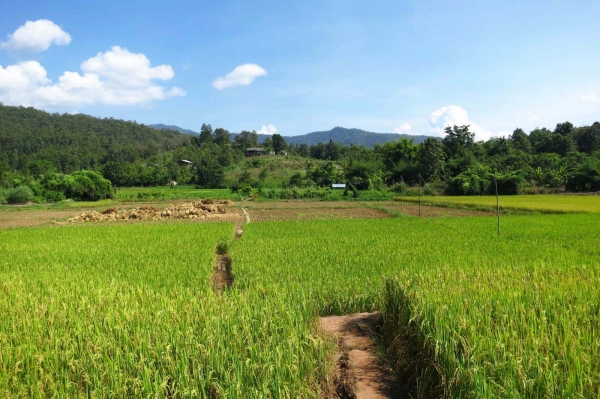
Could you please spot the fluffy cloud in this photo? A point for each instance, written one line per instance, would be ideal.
(593, 97)
(455, 115)
(36, 36)
(242, 75)
(405, 128)
(116, 77)
(267, 130)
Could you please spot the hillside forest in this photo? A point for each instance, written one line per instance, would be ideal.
(51, 157)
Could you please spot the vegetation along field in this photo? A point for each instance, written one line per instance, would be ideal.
(116, 310)
(531, 203)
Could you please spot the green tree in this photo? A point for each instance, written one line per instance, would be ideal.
(222, 137)
(245, 140)
(457, 141)
(521, 141)
(206, 135)
(279, 143)
(431, 160)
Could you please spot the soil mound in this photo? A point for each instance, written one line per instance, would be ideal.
(189, 210)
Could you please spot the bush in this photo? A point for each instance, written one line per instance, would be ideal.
(85, 185)
(19, 195)
(509, 184)
(54, 196)
(473, 181)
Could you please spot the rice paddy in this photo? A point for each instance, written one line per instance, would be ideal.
(129, 310)
(528, 203)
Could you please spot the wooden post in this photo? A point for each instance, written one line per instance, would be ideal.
(419, 195)
(497, 203)
(402, 193)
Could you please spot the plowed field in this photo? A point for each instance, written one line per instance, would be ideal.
(270, 215)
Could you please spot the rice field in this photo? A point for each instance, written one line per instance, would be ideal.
(166, 193)
(553, 203)
(128, 310)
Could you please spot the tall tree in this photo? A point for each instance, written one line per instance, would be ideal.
(279, 143)
(222, 137)
(245, 140)
(431, 160)
(458, 139)
(521, 141)
(206, 134)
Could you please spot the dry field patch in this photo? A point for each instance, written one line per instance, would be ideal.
(269, 215)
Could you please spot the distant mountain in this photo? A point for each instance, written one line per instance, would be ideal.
(160, 126)
(351, 136)
(337, 134)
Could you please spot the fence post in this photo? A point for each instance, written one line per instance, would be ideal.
(419, 194)
(497, 203)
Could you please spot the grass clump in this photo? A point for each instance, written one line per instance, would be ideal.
(222, 248)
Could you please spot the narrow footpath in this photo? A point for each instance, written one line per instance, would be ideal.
(360, 373)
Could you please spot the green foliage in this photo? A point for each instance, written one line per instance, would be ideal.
(85, 185)
(19, 195)
(75, 142)
(474, 181)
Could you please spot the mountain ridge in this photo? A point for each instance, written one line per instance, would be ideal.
(346, 136)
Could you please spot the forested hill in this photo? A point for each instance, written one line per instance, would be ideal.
(160, 126)
(338, 134)
(75, 142)
(351, 136)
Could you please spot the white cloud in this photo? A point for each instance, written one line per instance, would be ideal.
(593, 97)
(242, 75)
(267, 130)
(125, 68)
(36, 36)
(455, 115)
(405, 128)
(116, 77)
(505, 133)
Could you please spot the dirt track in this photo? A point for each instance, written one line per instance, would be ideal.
(360, 373)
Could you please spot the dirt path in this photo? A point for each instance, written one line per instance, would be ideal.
(361, 374)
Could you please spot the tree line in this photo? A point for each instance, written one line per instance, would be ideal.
(36, 145)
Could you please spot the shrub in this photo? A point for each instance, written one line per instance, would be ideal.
(54, 196)
(19, 195)
(509, 184)
(85, 185)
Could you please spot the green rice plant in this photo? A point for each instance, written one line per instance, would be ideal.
(127, 310)
(515, 316)
(222, 248)
(530, 203)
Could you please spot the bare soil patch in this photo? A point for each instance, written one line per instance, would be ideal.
(302, 204)
(360, 372)
(269, 215)
(433, 211)
(32, 217)
(222, 277)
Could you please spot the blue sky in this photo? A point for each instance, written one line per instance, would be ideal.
(297, 67)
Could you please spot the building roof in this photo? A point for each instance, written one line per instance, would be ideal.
(254, 149)
(186, 161)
